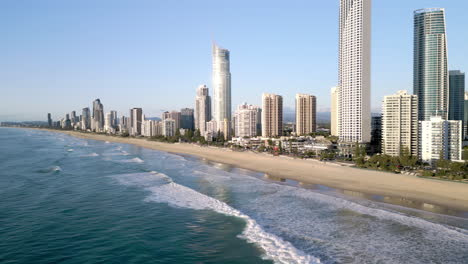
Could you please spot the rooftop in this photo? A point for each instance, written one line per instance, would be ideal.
(428, 10)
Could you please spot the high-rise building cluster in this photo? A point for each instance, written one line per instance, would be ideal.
(430, 123)
(410, 122)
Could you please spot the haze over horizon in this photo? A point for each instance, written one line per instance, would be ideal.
(59, 56)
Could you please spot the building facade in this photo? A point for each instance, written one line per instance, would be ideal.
(151, 128)
(440, 138)
(400, 126)
(334, 108)
(187, 119)
(49, 120)
(108, 124)
(354, 71)
(246, 121)
(221, 84)
(176, 116)
(457, 96)
(202, 108)
(431, 81)
(73, 118)
(97, 119)
(85, 119)
(211, 130)
(306, 114)
(272, 115)
(376, 135)
(168, 127)
(136, 117)
(114, 119)
(124, 125)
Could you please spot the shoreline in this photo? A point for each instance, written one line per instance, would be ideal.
(442, 193)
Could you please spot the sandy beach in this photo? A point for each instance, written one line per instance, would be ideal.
(443, 193)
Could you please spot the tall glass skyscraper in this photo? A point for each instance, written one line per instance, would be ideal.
(221, 84)
(456, 95)
(85, 119)
(431, 83)
(97, 122)
(354, 115)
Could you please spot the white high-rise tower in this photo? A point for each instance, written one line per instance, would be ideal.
(354, 71)
(334, 111)
(221, 85)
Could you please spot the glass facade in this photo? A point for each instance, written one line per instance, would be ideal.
(456, 95)
(430, 63)
(221, 84)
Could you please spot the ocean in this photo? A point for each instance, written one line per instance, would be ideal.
(71, 200)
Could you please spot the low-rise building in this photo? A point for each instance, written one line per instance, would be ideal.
(440, 139)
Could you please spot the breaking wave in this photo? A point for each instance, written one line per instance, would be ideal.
(164, 190)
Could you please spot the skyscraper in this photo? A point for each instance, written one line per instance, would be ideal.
(168, 127)
(354, 71)
(97, 122)
(136, 115)
(246, 120)
(125, 125)
(176, 116)
(272, 115)
(73, 118)
(376, 135)
(430, 71)
(306, 114)
(186, 118)
(49, 120)
(335, 105)
(114, 119)
(85, 119)
(202, 108)
(456, 95)
(110, 122)
(221, 84)
(400, 124)
(107, 123)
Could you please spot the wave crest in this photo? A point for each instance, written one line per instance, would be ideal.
(164, 190)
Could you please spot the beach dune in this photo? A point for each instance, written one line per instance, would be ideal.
(444, 193)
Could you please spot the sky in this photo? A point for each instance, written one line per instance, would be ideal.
(57, 56)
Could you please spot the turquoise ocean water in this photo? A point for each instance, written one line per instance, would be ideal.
(70, 200)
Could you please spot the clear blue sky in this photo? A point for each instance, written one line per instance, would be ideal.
(57, 56)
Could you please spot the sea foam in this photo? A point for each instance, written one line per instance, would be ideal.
(164, 190)
(134, 160)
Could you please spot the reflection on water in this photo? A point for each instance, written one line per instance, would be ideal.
(399, 201)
